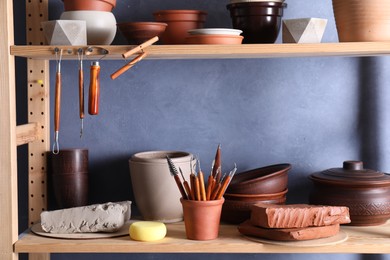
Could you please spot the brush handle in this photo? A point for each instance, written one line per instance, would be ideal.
(201, 186)
(94, 89)
(180, 186)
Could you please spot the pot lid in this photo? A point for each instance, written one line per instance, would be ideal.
(352, 174)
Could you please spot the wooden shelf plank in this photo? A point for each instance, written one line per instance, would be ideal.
(374, 239)
(354, 49)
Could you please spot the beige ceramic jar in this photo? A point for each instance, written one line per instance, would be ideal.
(156, 194)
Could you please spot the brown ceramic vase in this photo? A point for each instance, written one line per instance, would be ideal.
(89, 5)
(179, 23)
(202, 218)
(366, 192)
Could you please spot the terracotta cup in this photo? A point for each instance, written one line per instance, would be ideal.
(202, 218)
(69, 175)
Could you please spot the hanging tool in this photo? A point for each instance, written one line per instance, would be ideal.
(57, 102)
(94, 89)
(81, 90)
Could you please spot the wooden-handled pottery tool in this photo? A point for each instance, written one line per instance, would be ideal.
(81, 90)
(94, 89)
(57, 103)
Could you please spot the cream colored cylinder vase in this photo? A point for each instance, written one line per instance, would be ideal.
(156, 194)
(362, 20)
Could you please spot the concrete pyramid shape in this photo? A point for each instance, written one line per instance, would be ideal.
(65, 32)
(303, 30)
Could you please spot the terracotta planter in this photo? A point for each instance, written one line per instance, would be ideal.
(89, 5)
(358, 20)
(366, 192)
(155, 191)
(139, 32)
(202, 218)
(179, 22)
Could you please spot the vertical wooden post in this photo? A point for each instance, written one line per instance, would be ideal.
(8, 160)
(39, 112)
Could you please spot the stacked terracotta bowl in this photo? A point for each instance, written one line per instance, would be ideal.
(214, 36)
(260, 20)
(267, 185)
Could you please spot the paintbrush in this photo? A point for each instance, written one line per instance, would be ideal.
(187, 186)
(201, 183)
(175, 175)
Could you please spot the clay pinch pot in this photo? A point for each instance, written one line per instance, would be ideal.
(179, 23)
(264, 180)
(89, 5)
(366, 192)
(139, 32)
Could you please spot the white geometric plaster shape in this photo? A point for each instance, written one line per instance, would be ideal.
(65, 32)
(303, 30)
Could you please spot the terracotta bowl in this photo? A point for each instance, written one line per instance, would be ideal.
(179, 23)
(259, 21)
(269, 179)
(213, 39)
(91, 5)
(237, 211)
(139, 32)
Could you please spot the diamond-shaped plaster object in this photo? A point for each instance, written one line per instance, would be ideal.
(65, 32)
(303, 30)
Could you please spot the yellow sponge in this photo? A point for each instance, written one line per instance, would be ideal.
(147, 231)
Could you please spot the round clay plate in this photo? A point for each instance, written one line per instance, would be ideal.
(124, 231)
(339, 238)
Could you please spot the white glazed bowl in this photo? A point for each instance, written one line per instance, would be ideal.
(101, 26)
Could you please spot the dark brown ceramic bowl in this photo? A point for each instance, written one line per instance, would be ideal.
(235, 211)
(365, 192)
(89, 5)
(179, 23)
(265, 180)
(259, 21)
(255, 197)
(139, 32)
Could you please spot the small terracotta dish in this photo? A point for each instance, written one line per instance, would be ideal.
(139, 32)
(269, 179)
(89, 5)
(215, 31)
(213, 39)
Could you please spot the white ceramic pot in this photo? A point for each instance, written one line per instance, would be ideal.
(101, 26)
(156, 194)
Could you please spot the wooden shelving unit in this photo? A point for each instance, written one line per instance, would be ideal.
(37, 134)
(351, 49)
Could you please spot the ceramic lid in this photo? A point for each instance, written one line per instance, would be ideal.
(352, 174)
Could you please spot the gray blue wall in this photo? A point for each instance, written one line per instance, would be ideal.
(311, 112)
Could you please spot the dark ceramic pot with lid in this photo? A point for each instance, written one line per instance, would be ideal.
(366, 192)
